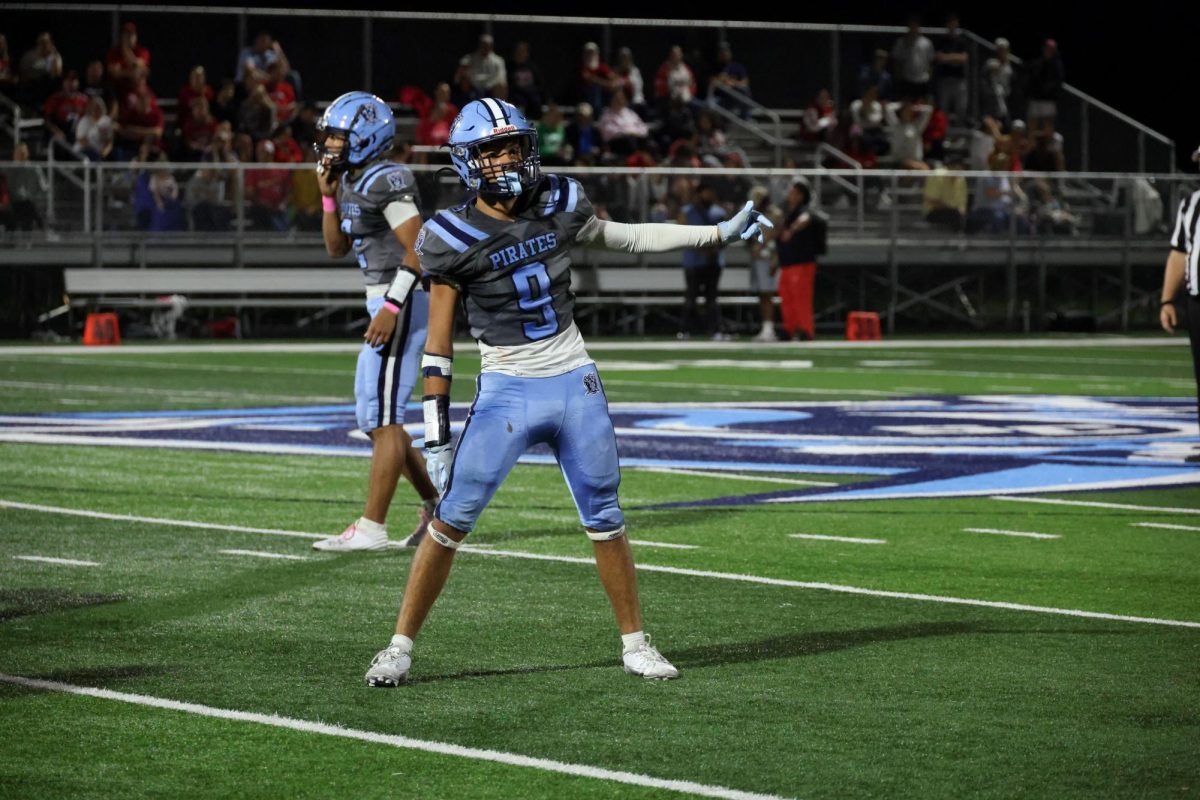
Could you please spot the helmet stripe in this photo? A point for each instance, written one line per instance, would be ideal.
(497, 112)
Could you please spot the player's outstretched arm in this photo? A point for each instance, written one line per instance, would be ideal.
(436, 369)
(650, 237)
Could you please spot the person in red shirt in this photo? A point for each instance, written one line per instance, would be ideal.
(281, 93)
(139, 118)
(596, 79)
(934, 135)
(64, 108)
(675, 79)
(127, 60)
(198, 131)
(433, 130)
(267, 191)
(197, 86)
(287, 149)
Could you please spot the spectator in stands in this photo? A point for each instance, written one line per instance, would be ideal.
(206, 196)
(225, 105)
(127, 60)
(196, 134)
(64, 108)
(710, 141)
(305, 199)
(819, 121)
(41, 70)
(1045, 81)
(220, 150)
(857, 148)
(933, 138)
(596, 79)
(702, 267)
(167, 213)
(267, 190)
(94, 135)
(764, 264)
(582, 135)
(1049, 213)
(952, 60)
(675, 79)
(461, 90)
(141, 164)
(868, 116)
(553, 146)
(22, 192)
(8, 75)
(485, 69)
(621, 127)
(944, 198)
(433, 128)
(733, 76)
(631, 82)
(876, 74)
(906, 123)
(243, 148)
(912, 58)
(287, 149)
(997, 201)
(304, 126)
(282, 95)
(677, 123)
(800, 240)
(1047, 153)
(197, 86)
(997, 80)
(96, 85)
(256, 59)
(526, 88)
(140, 119)
(257, 115)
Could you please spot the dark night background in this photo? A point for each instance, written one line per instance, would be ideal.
(1132, 57)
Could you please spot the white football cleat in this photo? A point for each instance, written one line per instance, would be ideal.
(418, 533)
(646, 661)
(353, 539)
(389, 668)
(766, 335)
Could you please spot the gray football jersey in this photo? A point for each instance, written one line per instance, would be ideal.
(514, 277)
(363, 198)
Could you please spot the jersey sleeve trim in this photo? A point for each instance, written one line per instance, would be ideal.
(454, 235)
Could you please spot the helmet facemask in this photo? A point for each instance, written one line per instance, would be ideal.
(492, 175)
(335, 163)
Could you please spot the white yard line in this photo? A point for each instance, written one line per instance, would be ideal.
(728, 576)
(1165, 526)
(68, 561)
(731, 477)
(1092, 504)
(404, 742)
(644, 543)
(183, 366)
(263, 554)
(189, 394)
(179, 523)
(850, 539)
(1026, 534)
(747, 389)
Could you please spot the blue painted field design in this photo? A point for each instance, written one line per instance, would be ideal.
(912, 447)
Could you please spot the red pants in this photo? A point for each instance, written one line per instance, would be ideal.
(796, 298)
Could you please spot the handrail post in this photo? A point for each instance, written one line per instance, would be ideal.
(1083, 136)
(835, 75)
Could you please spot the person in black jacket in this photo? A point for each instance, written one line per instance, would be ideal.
(800, 241)
(1045, 82)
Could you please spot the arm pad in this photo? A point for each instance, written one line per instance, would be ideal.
(402, 285)
(437, 419)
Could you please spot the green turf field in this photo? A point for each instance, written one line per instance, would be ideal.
(922, 660)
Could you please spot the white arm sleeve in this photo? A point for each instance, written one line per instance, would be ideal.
(646, 237)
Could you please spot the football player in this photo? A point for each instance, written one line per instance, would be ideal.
(506, 255)
(370, 205)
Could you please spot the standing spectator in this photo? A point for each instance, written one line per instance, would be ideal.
(630, 78)
(800, 241)
(282, 95)
(702, 267)
(41, 69)
(433, 129)
(485, 69)
(1181, 276)
(526, 88)
(64, 108)
(552, 138)
(876, 74)
(675, 79)
(224, 106)
(952, 59)
(867, 115)
(621, 127)
(764, 264)
(254, 60)
(94, 85)
(944, 199)
(198, 131)
(596, 79)
(906, 123)
(197, 86)
(582, 134)
(733, 76)
(94, 132)
(22, 191)
(820, 119)
(1045, 81)
(8, 75)
(140, 119)
(127, 60)
(167, 213)
(912, 56)
(267, 190)
(997, 80)
(257, 116)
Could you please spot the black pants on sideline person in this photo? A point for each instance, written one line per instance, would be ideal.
(1193, 326)
(701, 279)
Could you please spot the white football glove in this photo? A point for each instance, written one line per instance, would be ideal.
(744, 225)
(437, 464)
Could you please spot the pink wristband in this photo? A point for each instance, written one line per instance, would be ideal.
(392, 307)
(329, 204)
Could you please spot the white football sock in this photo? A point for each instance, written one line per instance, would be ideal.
(632, 641)
(371, 528)
(403, 642)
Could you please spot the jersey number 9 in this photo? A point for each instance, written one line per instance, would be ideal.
(533, 291)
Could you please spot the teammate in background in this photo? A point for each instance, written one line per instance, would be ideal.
(1183, 272)
(505, 255)
(378, 217)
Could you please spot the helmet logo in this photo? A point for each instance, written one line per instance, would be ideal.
(367, 113)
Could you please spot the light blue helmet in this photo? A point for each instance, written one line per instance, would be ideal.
(365, 121)
(489, 120)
